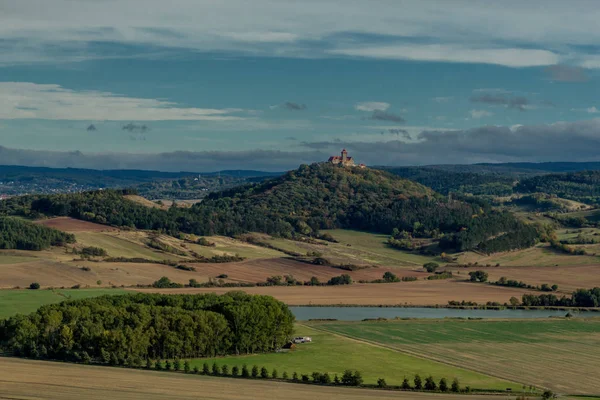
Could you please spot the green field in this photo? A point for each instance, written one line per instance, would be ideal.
(26, 301)
(334, 354)
(357, 247)
(559, 354)
(120, 246)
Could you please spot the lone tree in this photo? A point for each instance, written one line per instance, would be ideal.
(548, 394)
(381, 383)
(34, 286)
(390, 277)
(431, 267)
(478, 276)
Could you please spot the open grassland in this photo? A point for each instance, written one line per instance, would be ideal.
(26, 301)
(333, 354)
(559, 354)
(355, 247)
(26, 379)
(404, 293)
(72, 225)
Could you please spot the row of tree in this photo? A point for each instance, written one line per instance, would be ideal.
(579, 298)
(130, 328)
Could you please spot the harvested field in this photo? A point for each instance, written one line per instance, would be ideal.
(541, 256)
(559, 354)
(403, 293)
(568, 279)
(260, 270)
(71, 225)
(26, 379)
(50, 273)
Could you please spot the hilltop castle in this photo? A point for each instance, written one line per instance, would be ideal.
(344, 160)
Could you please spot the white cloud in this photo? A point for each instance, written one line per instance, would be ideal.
(589, 110)
(24, 100)
(371, 106)
(476, 114)
(464, 30)
(510, 57)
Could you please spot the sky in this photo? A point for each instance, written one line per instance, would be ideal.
(205, 85)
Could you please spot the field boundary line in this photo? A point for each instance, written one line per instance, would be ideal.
(409, 352)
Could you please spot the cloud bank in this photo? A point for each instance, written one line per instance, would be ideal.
(561, 141)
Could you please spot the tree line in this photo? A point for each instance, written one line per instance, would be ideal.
(579, 298)
(127, 329)
(24, 235)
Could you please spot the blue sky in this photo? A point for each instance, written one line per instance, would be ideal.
(204, 85)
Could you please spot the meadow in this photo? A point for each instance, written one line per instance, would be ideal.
(334, 354)
(26, 301)
(560, 354)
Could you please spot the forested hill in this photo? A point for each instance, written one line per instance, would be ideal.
(579, 186)
(302, 202)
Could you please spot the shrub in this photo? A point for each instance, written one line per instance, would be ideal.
(478, 276)
(455, 386)
(235, 371)
(255, 371)
(390, 277)
(431, 267)
(159, 365)
(325, 378)
(205, 369)
(285, 375)
(295, 377)
(316, 377)
(305, 378)
(352, 379)
(186, 366)
(343, 279)
(225, 370)
(34, 286)
(443, 385)
(381, 383)
(274, 374)
(148, 364)
(177, 365)
(418, 382)
(336, 380)
(196, 370)
(168, 365)
(264, 373)
(245, 372)
(223, 276)
(405, 385)
(215, 369)
(548, 394)
(430, 383)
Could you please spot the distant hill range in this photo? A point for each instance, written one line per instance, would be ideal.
(19, 180)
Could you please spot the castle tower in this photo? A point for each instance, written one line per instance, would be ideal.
(344, 156)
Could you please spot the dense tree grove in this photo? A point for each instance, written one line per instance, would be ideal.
(313, 197)
(24, 235)
(128, 329)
